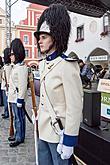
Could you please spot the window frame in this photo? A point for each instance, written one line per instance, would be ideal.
(27, 54)
(27, 40)
(80, 33)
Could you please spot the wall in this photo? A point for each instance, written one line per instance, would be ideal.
(92, 39)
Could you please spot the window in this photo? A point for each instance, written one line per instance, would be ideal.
(80, 33)
(37, 16)
(26, 53)
(26, 39)
(105, 23)
(0, 21)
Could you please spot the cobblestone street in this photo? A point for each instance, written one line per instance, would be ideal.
(24, 154)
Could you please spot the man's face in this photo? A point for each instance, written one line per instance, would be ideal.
(12, 57)
(81, 64)
(46, 43)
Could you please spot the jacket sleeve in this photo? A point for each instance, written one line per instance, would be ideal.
(73, 97)
(22, 83)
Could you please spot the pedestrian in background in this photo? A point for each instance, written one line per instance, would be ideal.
(85, 73)
(18, 90)
(5, 81)
(60, 105)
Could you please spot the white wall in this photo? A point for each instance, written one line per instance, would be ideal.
(92, 39)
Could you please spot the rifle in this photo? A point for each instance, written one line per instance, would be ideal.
(11, 128)
(31, 83)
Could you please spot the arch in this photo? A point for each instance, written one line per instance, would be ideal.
(33, 63)
(98, 54)
(98, 51)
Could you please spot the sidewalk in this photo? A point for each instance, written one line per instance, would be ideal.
(24, 154)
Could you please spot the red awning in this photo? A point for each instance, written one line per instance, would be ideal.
(95, 8)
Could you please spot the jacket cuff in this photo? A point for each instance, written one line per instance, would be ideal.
(20, 101)
(70, 141)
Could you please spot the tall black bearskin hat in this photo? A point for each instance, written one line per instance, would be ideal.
(7, 59)
(18, 50)
(55, 21)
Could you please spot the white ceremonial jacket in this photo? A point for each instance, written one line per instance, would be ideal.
(63, 85)
(6, 71)
(18, 83)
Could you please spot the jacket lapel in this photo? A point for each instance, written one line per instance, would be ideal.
(49, 67)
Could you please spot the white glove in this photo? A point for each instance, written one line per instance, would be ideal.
(20, 102)
(60, 145)
(66, 152)
(19, 105)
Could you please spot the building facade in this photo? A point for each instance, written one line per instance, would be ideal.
(25, 31)
(89, 39)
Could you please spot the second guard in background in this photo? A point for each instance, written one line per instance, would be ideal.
(5, 81)
(60, 105)
(18, 89)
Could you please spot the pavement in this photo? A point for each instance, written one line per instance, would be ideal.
(24, 154)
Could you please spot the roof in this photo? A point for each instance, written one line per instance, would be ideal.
(95, 8)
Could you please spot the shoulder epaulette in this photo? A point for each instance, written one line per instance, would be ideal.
(69, 58)
(21, 64)
(7, 64)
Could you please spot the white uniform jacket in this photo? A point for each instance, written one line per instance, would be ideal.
(6, 71)
(63, 85)
(18, 83)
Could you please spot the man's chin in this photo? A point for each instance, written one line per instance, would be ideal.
(42, 51)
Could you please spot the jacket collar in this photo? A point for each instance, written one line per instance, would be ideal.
(52, 56)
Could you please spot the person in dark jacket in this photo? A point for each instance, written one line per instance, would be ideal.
(85, 73)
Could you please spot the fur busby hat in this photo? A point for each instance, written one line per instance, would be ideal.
(7, 59)
(55, 21)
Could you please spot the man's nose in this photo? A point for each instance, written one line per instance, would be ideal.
(40, 41)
